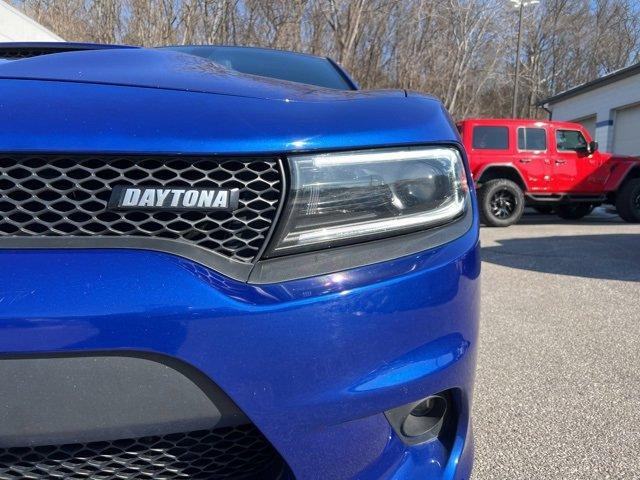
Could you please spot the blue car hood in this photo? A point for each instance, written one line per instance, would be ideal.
(165, 69)
(159, 101)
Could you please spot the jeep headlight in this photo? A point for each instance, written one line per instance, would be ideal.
(348, 197)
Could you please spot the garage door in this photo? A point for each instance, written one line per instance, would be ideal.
(626, 131)
(590, 124)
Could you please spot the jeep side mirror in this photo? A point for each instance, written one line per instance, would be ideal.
(592, 147)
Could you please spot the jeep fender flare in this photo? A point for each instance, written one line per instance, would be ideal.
(512, 173)
(620, 174)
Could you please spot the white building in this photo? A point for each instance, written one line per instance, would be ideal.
(15, 26)
(609, 107)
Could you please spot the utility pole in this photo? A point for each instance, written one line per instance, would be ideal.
(520, 4)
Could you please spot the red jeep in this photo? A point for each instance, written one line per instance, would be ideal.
(547, 165)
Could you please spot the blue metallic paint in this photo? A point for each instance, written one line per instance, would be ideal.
(313, 362)
(310, 361)
(71, 117)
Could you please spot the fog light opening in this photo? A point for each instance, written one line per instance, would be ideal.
(426, 418)
(433, 417)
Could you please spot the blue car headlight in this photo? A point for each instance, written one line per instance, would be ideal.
(348, 197)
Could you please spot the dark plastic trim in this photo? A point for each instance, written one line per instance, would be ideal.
(398, 417)
(93, 396)
(58, 47)
(557, 198)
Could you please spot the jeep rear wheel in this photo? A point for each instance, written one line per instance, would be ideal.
(574, 211)
(501, 203)
(628, 201)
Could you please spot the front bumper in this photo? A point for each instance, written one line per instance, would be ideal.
(313, 363)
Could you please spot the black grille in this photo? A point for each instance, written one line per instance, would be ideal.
(226, 453)
(16, 53)
(68, 196)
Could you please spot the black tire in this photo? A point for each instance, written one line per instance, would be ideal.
(544, 209)
(628, 201)
(574, 211)
(501, 203)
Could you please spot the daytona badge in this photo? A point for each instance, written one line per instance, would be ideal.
(173, 198)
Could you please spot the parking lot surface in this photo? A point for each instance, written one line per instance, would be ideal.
(558, 386)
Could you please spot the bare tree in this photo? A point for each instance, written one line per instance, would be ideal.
(459, 50)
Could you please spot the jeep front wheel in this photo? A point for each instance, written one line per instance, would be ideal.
(574, 211)
(501, 203)
(628, 201)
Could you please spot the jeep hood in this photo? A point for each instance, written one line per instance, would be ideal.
(624, 158)
(617, 157)
(158, 101)
(165, 69)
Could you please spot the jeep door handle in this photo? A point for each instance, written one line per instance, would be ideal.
(560, 162)
(525, 160)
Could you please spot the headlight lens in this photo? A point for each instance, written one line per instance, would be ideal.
(347, 197)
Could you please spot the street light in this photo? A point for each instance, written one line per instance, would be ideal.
(520, 4)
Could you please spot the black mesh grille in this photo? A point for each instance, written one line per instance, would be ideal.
(18, 53)
(68, 196)
(226, 453)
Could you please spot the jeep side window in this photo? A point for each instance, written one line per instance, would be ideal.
(570, 141)
(532, 139)
(490, 138)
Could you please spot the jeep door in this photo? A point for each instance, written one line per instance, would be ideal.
(532, 156)
(575, 170)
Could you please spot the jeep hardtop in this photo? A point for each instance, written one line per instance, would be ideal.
(548, 165)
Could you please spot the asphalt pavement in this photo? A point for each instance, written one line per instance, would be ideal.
(558, 384)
